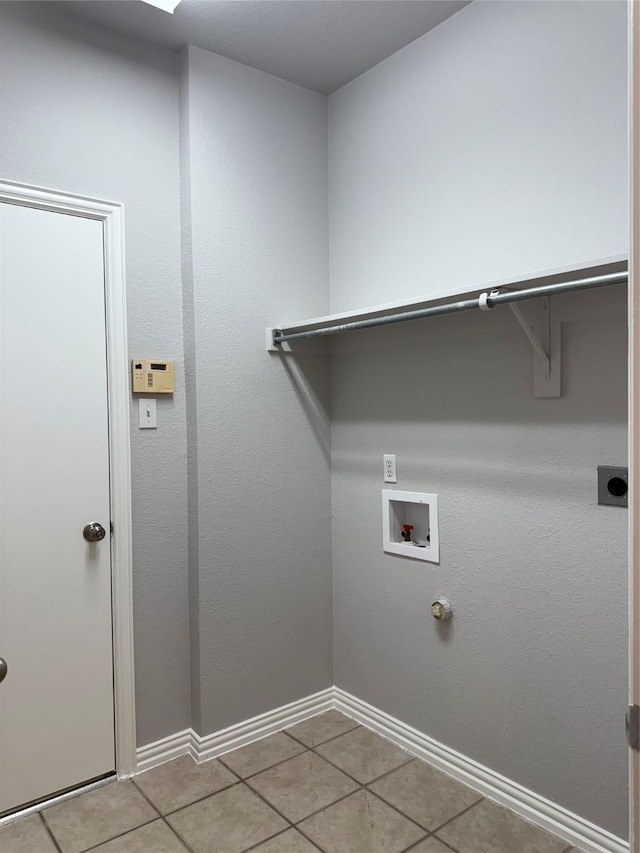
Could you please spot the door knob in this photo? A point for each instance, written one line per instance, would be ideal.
(3, 669)
(94, 532)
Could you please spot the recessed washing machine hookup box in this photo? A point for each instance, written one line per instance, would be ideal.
(410, 525)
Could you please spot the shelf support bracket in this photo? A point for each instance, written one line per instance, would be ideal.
(544, 335)
(538, 348)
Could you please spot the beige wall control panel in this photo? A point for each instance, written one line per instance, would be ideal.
(152, 376)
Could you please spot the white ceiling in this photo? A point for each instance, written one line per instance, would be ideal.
(319, 44)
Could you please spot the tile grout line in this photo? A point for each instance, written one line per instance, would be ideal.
(402, 814)
(426, 829)
(431, 836)
(301, 829)
(221, 758)
(164, 820)
(362, 786)
(119, 835)
(264, 800)
(322, 742)
(245, 782)
(181, 840)
(193, 802)
(49, 832)
(238, 782)
(179, 837)
(288, 829)
(328, 806)
(295, 826)
(105, 840)
(431, 833)
(440, 841)
(353, 778)
(365, 785)
(455, 817)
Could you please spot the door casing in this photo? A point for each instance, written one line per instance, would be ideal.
(111, 214)
(634, 410)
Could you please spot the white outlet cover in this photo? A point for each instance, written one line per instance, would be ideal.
(389, 471)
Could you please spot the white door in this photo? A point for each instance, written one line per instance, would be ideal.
(56, 701)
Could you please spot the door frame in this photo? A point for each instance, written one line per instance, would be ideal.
(634, 410)
(111, 214)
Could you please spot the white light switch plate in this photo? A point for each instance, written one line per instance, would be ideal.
(389, 463)
(147, 413)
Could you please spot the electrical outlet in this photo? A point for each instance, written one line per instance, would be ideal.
(389, 462)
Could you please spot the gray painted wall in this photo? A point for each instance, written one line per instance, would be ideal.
(529, 678)
(85, 111)
(534, 662)
(503, 132)
(231, 543)
(256, 251)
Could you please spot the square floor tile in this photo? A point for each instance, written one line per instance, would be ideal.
(228, 822)
(98, 816)
(424, 794)
(180, 782)
(363, 754)
(321, 728)
(487, 828)
(302, 785)
(154, 837)
(289, 842)
(361, 824)
(27, 835)
(262, 754)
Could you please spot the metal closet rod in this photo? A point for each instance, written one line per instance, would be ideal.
(485, 301)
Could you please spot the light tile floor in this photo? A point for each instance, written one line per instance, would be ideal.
(326, 784)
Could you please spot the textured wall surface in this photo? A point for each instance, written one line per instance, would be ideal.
(529, 678)
(235, 600)
(257, 239)
(86, 112)
(502, 131)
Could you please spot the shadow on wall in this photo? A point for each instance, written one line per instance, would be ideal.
(478, 367)
(307, 374)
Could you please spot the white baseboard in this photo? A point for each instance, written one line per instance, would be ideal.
(258, 727)
(527, 804)
(201, 749)
(160, 751)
